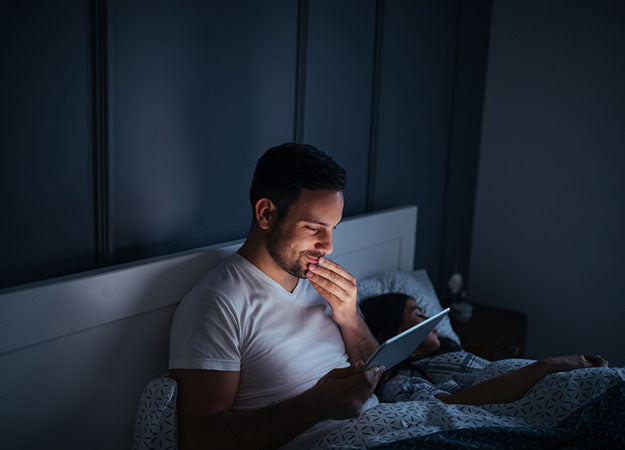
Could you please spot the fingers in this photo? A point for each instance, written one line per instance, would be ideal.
(363, 384)
(331, 265)
(345, 391)
(368, 384)
(595, 360)
(369, 376)
(330, 279)
(325, 285)
(374, 374)
(573, 362)
(325, 293)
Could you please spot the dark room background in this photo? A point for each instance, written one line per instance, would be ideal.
(131, 128)
(549, 223)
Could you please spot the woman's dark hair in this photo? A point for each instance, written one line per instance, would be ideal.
(384, 313)
(283, 171)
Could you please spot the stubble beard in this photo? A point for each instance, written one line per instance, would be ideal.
(280, 253)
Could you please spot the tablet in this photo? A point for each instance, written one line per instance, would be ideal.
(398, 348)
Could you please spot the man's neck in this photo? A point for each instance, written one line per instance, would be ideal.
(255, 251)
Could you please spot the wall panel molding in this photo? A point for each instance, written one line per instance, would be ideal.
(375, 102)
(300, 70)
(465, 124)
(100, 147)
(339, 73)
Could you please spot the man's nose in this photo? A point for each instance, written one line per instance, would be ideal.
(325, 243)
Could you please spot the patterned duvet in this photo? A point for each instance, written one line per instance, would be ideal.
(583, 408)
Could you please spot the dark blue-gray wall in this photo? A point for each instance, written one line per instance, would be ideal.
(550, 211)
(47, 224)
(131, 128)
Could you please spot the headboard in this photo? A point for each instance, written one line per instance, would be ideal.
(76, 351)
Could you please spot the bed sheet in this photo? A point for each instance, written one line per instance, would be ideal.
(584, 408)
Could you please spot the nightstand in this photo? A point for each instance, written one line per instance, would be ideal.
(493, 333)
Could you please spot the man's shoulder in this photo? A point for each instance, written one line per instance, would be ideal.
(225, 281)
(226, 270)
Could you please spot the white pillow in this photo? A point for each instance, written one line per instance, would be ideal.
(417, 285)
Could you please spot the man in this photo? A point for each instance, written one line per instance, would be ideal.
(259, 357)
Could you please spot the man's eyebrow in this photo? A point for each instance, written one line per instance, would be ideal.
(318, 222)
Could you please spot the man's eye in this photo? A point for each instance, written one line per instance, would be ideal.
(313, 229)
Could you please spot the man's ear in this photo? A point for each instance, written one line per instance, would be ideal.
(266, 213)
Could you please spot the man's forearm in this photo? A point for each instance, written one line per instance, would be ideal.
(502, 389)
(359, 342)
(266, 427)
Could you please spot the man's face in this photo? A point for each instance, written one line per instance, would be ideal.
(305, 234)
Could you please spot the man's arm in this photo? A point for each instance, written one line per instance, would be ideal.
(205, 398)
(359, 342)
(513, 385)
(338, 287)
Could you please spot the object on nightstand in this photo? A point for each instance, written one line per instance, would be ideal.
(461, 310)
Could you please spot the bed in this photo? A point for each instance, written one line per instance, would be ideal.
(77, 351)
(76, 354)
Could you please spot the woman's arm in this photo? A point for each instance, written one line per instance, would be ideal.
(513, 385)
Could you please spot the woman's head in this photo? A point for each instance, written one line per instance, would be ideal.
(389, 314)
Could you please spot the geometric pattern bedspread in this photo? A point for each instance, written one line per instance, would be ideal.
(156, 421)
(584, 408)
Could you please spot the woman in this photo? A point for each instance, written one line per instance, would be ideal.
(389, 314)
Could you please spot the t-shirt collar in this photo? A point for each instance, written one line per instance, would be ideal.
(262, 275)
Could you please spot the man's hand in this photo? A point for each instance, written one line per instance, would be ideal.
(337, 286)
(339, 289)
(205, 418)
(341, 393)
(572, 362)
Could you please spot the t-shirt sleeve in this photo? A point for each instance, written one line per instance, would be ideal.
(205, 333)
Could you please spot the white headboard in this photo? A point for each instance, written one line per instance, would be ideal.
(76, 352)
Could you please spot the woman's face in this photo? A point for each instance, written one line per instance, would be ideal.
(412, 316)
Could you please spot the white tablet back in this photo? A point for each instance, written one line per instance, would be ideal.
(398, 348)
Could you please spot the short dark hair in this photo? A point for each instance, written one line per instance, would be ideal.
(283, 171)
(384, 314)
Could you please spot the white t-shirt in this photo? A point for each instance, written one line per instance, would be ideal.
(238, 319)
